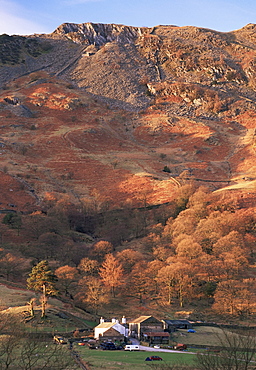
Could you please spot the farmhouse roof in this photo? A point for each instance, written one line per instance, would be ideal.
(140, 319)
(105, 325)
(177, 322)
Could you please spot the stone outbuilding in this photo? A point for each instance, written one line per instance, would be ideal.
(172, 325)
(144, 324)
(162, 337)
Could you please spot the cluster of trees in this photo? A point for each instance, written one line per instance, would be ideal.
(199, 248)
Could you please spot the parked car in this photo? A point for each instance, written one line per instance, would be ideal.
(180, 347)
(120, 346)
(154, 358)
(92, 344)
(131, 347)
(191, 331)
(107, 346)
(60, 340)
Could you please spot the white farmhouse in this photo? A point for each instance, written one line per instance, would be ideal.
(113, 328)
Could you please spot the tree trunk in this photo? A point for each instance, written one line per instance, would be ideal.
(169, 294)
(31, 307)
(181, 296)
(113, 291)
(44, 301)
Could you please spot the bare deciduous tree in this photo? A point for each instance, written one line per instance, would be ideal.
(237, 353)
(23, 351)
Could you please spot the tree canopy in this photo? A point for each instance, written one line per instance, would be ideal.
(42, 278)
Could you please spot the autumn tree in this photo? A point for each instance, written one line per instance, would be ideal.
(153, 239)
(42, 279)
(165, 280)
(151, 272)
(97, 202)
(198, 202)
(101, 249)
(234, 297)
(12, 265)
(111, 273)
(89, 267)
(183, 194)
(189, 248)
(67, 276)
(50, 244)
(138, 282)
(71, 252)
(91, 291)
(185, 223)
(233, 263)
(208, 267)
(178, 277)
(228, 242)
(250, 243)
(161, 253)
(128, 258)
(37, 224)
(209, 275)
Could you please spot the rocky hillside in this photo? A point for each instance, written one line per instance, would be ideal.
(125, 113)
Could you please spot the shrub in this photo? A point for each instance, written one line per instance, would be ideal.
(162, 155)
(166, 169)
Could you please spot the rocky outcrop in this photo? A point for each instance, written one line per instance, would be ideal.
(128, 67)
(99, 34)
(13, 104)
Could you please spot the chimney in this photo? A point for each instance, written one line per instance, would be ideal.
(101, 320)
(113, 320)
(123, 320)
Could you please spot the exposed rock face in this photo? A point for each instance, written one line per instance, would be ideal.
(115, 73)
(20, 110)
(13, 104)
(128, 67)
(98, 33)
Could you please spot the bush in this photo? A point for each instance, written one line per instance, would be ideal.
(166, 169)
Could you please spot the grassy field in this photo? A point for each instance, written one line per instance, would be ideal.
(13, 297)
(204, 335)
(126, 360)
(112, 360)
(15, 301)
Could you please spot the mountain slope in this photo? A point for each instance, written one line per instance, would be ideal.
(106, 108)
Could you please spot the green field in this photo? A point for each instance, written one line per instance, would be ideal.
(99, 359)
(205, 336)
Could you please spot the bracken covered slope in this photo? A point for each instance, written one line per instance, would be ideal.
(126, 113)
